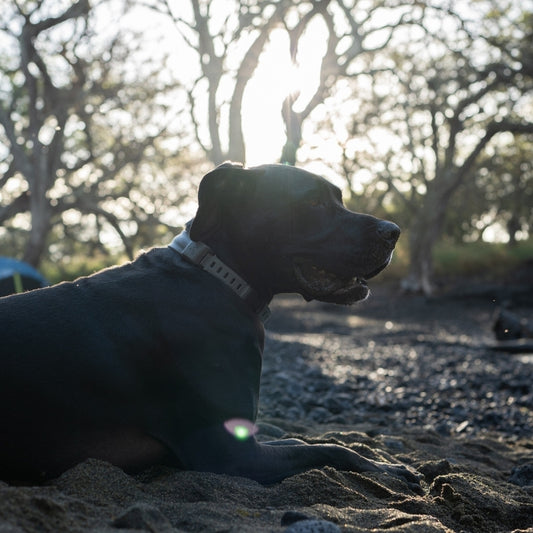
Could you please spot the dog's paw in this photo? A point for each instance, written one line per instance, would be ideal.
(406, 473)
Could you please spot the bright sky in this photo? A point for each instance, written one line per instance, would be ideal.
(273, 80)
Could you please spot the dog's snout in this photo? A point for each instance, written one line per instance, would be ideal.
(388, 231)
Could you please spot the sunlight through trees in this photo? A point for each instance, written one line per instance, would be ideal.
(413, 108)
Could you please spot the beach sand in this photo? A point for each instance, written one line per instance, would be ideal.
(396, 379)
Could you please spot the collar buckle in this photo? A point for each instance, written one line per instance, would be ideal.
(196, 252)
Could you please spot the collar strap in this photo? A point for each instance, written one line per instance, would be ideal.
(203, 256)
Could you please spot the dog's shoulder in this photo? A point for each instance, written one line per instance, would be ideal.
(197, 291)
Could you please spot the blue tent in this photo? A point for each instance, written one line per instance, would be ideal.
(17, 276)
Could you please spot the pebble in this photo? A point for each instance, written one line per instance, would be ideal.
(443, 382)
(319, 414)
(522, 475)
(290, 517)
(394, 444)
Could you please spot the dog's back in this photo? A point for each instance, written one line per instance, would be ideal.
(140, 347)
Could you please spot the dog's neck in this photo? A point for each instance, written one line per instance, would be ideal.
(203, 256)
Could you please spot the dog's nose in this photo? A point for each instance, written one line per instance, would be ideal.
(388, 231)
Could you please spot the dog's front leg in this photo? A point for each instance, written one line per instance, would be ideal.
(270, 462)
(351, 460)
(287, 458)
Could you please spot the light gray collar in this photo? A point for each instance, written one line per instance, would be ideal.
(201, 255)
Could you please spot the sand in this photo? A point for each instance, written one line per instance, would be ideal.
(478, 469)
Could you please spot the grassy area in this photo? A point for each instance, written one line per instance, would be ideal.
(488, 261)
(77, 266)
(484, 260)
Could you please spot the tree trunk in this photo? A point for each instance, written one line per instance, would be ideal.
(293, 126)
(40, 213)
(249, 63)
(40, 227)
(424, 233)
(420, 275)
(513, 227)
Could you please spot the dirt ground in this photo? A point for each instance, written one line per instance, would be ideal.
(398, 378)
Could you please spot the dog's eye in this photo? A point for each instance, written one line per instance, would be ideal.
(317, 202)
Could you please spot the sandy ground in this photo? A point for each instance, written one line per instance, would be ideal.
(396, 378)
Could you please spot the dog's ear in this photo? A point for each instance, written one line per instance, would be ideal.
(220, 190)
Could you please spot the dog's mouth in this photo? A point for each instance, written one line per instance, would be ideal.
(320, 284)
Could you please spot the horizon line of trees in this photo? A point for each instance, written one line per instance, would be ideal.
(422, 109)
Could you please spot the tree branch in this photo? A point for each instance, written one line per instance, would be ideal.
(21, 204)
(81, 7)
(21, 159)
(493, 128)
(244, 74)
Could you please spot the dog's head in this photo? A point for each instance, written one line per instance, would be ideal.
(286, 230)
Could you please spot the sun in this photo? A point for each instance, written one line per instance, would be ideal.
(277, 76)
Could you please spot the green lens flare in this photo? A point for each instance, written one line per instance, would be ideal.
(240, 428)
(241, 432)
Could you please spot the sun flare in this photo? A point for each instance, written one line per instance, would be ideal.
(277, 77)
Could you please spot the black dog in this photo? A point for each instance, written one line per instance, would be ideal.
(160, 359)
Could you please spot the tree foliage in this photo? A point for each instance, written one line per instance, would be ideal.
(501, 193)
(228, 46)
(79, 127)
(429, 109)
(424, 108)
